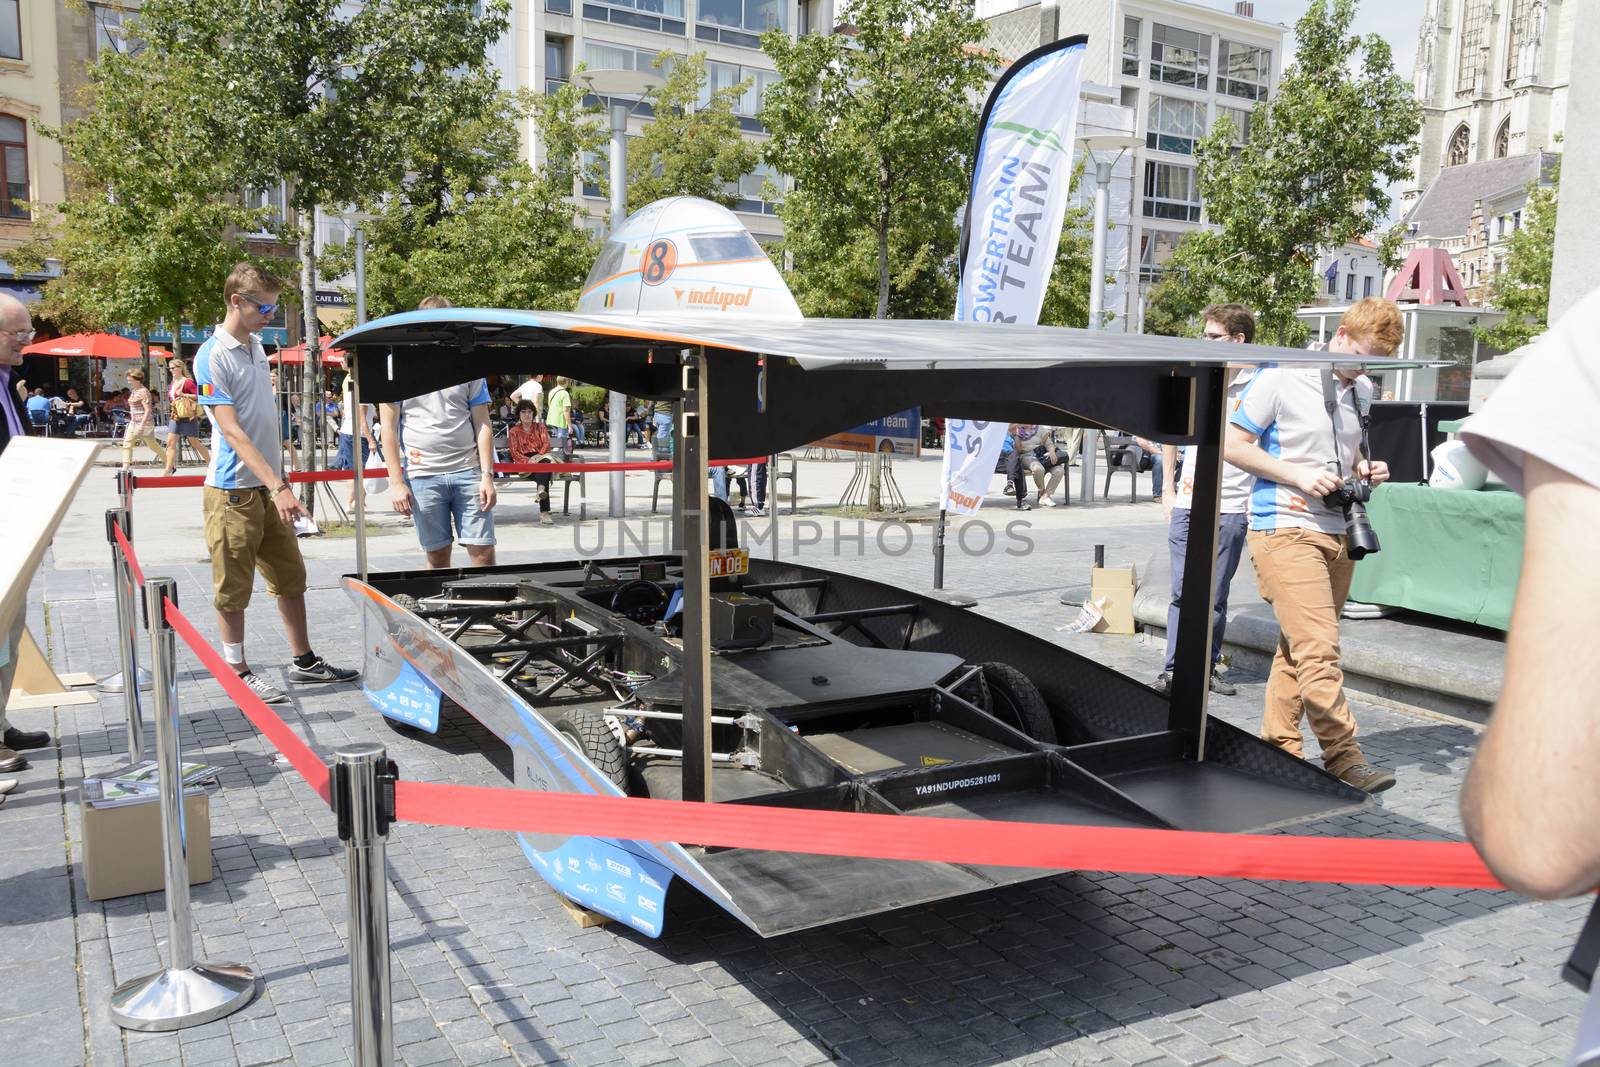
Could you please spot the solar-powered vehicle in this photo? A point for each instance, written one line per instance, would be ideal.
(673, 674)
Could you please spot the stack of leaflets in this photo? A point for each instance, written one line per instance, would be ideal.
(141, 782)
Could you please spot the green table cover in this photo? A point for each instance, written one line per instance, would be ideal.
(1446, 552)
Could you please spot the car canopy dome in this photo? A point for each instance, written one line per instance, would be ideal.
(685, 256)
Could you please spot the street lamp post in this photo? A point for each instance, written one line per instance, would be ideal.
(609, 84)
(1104, 150)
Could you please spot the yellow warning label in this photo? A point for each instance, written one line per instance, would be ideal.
(935, 761)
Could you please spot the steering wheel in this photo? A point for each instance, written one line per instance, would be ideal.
(640, 600)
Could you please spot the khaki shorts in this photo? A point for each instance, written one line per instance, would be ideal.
(243, 534)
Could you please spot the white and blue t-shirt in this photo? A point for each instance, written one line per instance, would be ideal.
(1236, 483)
(1286, 410)
(233, 372)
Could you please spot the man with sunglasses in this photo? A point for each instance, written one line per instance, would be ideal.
(250, 509)
(16, 330)
(1226, 324)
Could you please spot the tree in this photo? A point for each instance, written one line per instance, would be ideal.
(476, 225)
(1312, 175)
(876, 127)
(149, 229)
(691, 148)
(1522, 288)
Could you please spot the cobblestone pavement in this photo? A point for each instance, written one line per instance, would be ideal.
(488, 968)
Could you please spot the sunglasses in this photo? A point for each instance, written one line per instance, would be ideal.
(266, 310)
(23, 336)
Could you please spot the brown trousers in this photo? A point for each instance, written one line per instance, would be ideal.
(1305, 576)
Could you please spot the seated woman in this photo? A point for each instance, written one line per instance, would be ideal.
(528, 441)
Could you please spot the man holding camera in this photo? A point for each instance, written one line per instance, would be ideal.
(1302, 433)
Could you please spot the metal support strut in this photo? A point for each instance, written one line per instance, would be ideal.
(186, 993)
(363, 800)
(127, 637)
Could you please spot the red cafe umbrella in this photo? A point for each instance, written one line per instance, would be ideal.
(93, 346)
(333, 357)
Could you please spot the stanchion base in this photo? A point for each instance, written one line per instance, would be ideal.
(952, 597)
(172, 1000)
(113, 683)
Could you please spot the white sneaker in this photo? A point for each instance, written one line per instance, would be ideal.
(1047, 502)
(7, 785)
(269, 693)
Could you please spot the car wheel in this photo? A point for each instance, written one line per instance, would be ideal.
(594, 739)
(1007, 694)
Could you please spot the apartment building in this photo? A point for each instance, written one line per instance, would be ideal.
(32, 168)
(1177, 68)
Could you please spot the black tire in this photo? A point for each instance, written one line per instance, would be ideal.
(407, 601)
(594, 739)
(1008, 695)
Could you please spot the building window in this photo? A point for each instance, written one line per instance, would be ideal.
(1366, 286)
(558, 7)
(1179, 57)
(556, 66)
(753, 191)
(1130, 46)
(1459, 147)
(1333, 279)
(1243, 70)
(1241, 123)
(602, 55)
(740, 22)
(1155, 248)
(1349, 286)
(1170, 192)
(10, 29)
(1522, 42)
(747, 105)
(663, 16)
(112, 26)
(1474, 44)
(1502, 140)
(272, 202)
(14, 150)
(1174, 125)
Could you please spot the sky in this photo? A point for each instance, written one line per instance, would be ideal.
(1396, 21)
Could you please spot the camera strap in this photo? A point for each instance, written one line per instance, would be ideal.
(1330, 401)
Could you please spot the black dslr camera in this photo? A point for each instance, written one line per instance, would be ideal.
(1351, 498)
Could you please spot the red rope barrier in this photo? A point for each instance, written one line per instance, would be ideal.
(263, 718)
(191, 481)
(129, 558)
(1180, 853)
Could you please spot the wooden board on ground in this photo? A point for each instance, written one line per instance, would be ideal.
(36, 684)
(582, 916)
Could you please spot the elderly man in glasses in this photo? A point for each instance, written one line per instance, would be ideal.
(16, 330)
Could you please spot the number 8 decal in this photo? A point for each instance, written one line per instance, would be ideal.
(660, 260)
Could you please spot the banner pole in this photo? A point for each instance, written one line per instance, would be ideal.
(363, 797)
(186, 993)
(127, 634)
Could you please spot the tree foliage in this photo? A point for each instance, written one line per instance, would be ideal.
(1522, 288)
(1322, 150)
(876, 127)
(331, 99)
(148, 230)
(475, 224)
(689, 149)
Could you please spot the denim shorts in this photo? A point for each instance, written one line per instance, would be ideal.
(441, 501)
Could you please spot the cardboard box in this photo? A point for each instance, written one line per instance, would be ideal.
(1115, 586)
(122, 846)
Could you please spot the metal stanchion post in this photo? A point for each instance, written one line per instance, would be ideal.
(186, 993)
(127, 631)
(363, 798)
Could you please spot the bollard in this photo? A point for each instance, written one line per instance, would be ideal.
(363, 798)
(127, 634)
(186, 993)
